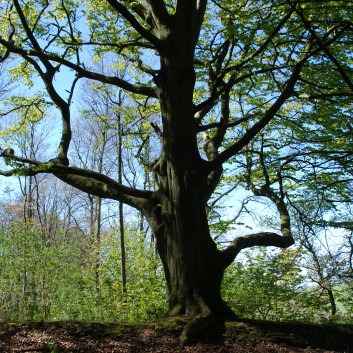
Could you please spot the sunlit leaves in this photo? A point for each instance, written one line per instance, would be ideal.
(26, 110)
(23, 74)
(52, 277)
(266, 285)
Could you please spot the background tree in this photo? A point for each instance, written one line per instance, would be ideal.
(267, 285)
(223, 76)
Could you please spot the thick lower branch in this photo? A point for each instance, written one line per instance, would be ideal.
(263, 238)
(85, 180)
(257, 239)
(105, 190)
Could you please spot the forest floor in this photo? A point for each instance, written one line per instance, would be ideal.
(163, 336)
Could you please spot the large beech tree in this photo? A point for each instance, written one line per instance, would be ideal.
(230, 83)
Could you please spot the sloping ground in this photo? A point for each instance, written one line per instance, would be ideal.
(163, 336)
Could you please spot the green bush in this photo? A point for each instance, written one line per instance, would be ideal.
(66, 278)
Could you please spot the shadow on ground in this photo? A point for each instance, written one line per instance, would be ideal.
(163, 336)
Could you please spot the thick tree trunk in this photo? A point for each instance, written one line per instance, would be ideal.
(192, 263)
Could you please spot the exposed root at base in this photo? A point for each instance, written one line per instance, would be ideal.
(205, 323)
(197, 325)
(201, 326)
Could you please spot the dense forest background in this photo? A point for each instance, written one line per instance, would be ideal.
(66, 255)
(63, 272)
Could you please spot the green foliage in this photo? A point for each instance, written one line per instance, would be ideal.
(270, 285)
(44, 278)
(55, 278)
(33, 269)
(265, 285)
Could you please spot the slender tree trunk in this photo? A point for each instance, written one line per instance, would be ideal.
(121, 205)
(332, 301)
(28, 211)
(98, 243)
(122, 247)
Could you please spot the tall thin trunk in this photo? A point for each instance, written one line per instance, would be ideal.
(332, 301)
(28, 207)
(30, 200)
(322, 282)
(121, 207)
(98, 242)
(122, 247)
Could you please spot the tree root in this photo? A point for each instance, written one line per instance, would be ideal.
(196, 327)
(202, 325)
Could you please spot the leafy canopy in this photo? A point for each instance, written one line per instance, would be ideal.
(272, 95)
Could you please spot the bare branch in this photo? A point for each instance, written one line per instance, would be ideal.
(264, 238)
(81, 72)
(91, 175)
(109, 189)
(86, 180)
(13, 157)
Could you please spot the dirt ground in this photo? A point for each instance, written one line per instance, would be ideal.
(163, 336)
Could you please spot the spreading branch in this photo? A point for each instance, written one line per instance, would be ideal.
(47, 74)
(85, 180)
(107, 188)
(219, 89)
(223, 69)
(268, 116)
(81, 72)
(263, 238)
